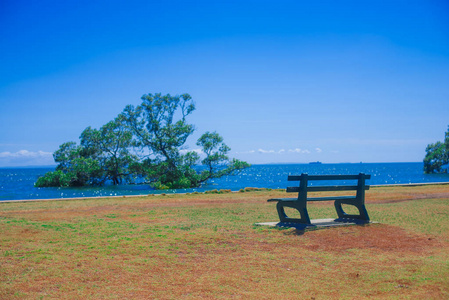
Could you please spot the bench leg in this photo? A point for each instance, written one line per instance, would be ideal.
(363, 214)
(301, 208)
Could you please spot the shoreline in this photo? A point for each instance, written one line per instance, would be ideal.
(165, 194)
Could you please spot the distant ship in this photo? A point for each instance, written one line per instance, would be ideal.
(315, 163)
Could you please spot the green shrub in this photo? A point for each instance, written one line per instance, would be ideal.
(159, 186)
(211, 192)
(251, 189)
(54, 179)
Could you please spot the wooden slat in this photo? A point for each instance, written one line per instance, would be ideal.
(332, 198)
(334, 188)
(331, 188)
(326, 177)
(293, 189)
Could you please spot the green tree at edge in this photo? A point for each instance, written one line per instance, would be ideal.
(437, 156)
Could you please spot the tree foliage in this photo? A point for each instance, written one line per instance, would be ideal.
(111, 146)
(160, 126)
(75, 168)
(147, 141)
(102, 155)
(437, 156)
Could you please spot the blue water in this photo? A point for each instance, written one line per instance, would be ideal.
(18, 183)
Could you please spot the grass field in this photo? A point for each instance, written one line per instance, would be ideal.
(207, 246)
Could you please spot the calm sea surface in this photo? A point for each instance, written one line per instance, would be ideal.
(18, 183)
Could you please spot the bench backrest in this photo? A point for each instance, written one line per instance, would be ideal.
(305, 178)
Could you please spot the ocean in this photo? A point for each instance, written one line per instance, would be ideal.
(18, 183)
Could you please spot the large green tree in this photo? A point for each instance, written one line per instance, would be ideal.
(437, 156)
(147, 141)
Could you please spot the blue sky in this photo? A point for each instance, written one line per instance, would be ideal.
(281, 81)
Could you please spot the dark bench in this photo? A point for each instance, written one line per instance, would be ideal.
(300, 203)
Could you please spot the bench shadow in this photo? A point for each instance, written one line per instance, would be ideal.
(295, 232)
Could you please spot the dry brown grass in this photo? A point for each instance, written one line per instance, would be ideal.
(206, 246)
